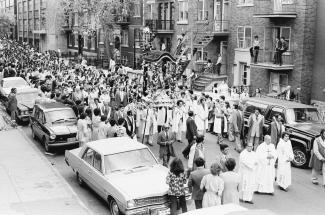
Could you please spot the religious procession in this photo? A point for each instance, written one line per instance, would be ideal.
(155, 108)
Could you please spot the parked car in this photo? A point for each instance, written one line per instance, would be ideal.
(304, 122)
(54, 124)
(123, 172)
(12, 82)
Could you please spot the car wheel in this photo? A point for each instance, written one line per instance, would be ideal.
(300, 157)
(46, 144)
(80, 181)
(113, 208)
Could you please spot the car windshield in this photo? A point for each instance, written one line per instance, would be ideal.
(27, 97)
(14, 83)
(303, 115)
(58, 116)
(129, 160)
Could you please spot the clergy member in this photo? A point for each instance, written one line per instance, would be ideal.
(285, 156)
(247, 171)
(265, 174)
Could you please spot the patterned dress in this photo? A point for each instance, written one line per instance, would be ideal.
(176, 184)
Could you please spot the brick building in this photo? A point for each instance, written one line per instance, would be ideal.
(8, 8)
(268, 19)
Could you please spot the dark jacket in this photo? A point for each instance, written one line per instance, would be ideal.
(275, 132)
(130, 126)
(194, 183)
(12, 102)
(165, 148)
(119, 102)
(191, 129)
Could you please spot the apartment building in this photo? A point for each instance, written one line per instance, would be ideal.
(38, 25)
(268, 19)
(8, 7)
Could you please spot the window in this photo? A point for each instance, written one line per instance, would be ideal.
(244, 37)
(149, 11)
(124, 60)
(244, 74)
(274, 111)
(136, 8)
(183, 11)
(278, 82)
(101, 36)
(125, 38)
(203, 10)
(98, 162)
(201, 55)
(137, 37)
(303, 115)
(287, 1)
(88, 156)
(283, 32)
(71, 39)
(245, 2)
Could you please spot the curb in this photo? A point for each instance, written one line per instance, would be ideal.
(56, 172)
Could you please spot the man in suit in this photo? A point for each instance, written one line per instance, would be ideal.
(276, 129)
(283, 49)
(121, 99)
(165, 140)
(119, 113)
(130, 124)
(194, 181)
(255, 126)
(191, 133)
(237, 122)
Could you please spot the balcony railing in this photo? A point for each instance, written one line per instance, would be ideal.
(221, 26)
(122, 19)
(161, 25)
(275, 8)
(271, 60)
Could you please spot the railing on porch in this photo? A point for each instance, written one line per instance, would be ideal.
(161, 24)
(91, 60)
(221, 26)
(275, 6)
(271, 57)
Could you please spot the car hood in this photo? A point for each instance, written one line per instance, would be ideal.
(63, 129)
(24, 105)
(312, 128)
(7, 90)
(142, 183)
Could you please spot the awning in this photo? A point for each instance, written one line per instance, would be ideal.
(156, 56)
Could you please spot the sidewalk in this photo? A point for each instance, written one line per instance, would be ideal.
(29, 184)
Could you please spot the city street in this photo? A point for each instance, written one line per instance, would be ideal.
(302, 197)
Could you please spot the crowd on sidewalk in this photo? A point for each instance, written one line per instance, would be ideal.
(108, 103)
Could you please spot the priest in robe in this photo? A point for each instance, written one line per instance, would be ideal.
(247, 170)
(285, 156)
(265, 173)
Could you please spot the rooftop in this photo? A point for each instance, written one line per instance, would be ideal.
(115, 145)
(52, 106)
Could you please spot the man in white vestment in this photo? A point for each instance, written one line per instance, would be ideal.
(265, 174)
(247, 171)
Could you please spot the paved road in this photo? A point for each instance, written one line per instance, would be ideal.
(302, 198)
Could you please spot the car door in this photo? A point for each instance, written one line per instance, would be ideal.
(85, 170)
(99, 181)
(35, 123)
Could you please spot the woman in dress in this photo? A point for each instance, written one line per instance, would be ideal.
(197, 150)
(218, 121)
(232, 181)
(176, 179)
(213, 185)
(201, 116)
(285, 156)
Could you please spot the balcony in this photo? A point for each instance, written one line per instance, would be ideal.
(275, 9)
(221, 28)
(161, 26)
(122, 20)
(266, 60)
(40, 31)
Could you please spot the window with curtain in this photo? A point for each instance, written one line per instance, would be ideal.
(244, 37)
(202, 10)
(125, 38)
(245, 2)
(136, 8)
(183, 11)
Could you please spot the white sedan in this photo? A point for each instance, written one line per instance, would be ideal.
(125, 173)
(12, 82)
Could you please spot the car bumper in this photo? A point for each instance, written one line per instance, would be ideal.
(24, 118)
(62, 144)
(150, 210)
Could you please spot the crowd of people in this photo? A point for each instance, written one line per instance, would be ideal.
(110, 103)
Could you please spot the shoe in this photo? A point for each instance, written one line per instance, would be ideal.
(283, 189)
(150, 144)
(315, 182)
(249, 202)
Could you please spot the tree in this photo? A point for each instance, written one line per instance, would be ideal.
(96, 14)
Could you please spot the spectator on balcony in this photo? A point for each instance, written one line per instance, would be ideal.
(284, 48)
(218, 64)
(288, 94)
(208, 67)
(254, 50)
(277, 51)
